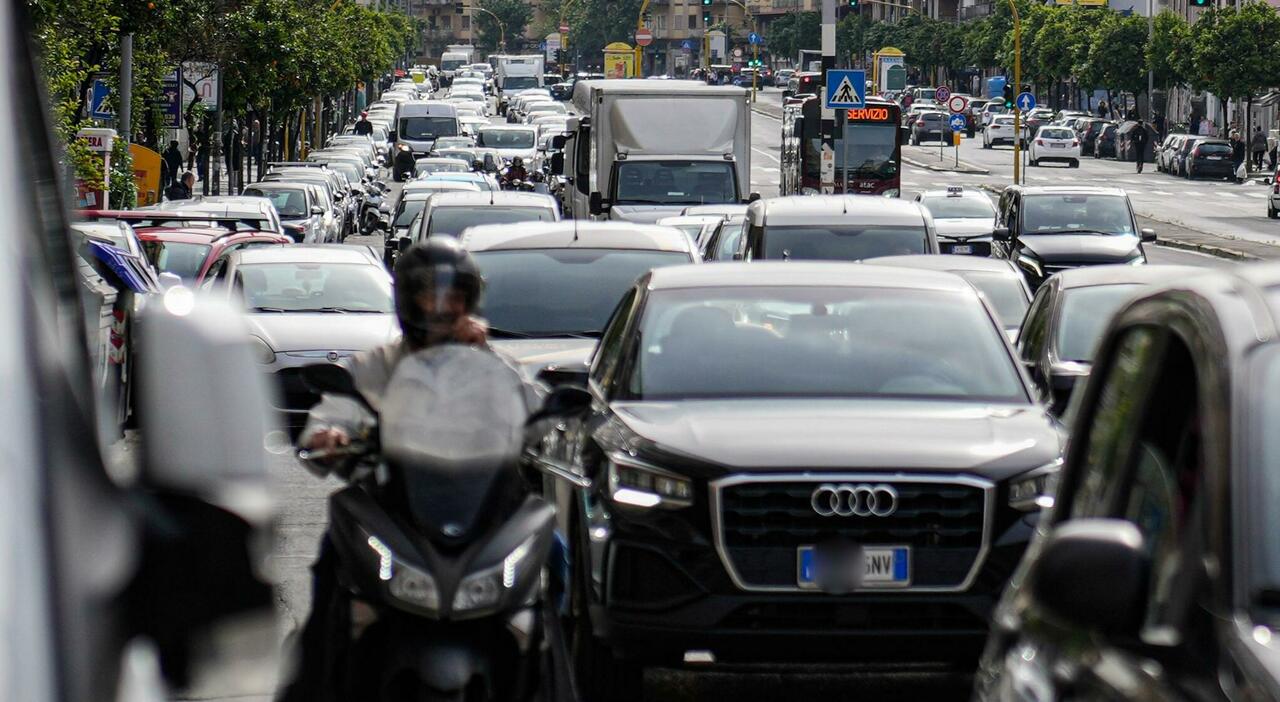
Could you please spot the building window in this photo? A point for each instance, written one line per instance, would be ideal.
(446, 21)
(466, 22)
(693, 21)
(662, 22)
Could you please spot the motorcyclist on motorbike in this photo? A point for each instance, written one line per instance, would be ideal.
(515, 172)
(438, 287)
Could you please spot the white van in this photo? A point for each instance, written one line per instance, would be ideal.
(420, 122)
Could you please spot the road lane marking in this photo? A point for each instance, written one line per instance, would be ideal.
(1160, 192)
(1227, 195)
(766, 154)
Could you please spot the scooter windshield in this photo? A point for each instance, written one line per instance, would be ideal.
(452, 432)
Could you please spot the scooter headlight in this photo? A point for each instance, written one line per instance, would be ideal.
(485, 590)
(405, 582)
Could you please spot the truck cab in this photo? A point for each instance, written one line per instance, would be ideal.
(640, 152)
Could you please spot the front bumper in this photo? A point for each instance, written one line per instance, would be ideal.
(666, 586)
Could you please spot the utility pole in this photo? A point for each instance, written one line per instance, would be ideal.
(125, 112)
(1017, 86)
(828, 162)
(216, 152)
(1151, 77)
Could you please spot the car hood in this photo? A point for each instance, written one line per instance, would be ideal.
(532, 355)
(994, 441)
(1081, 247)
(509, 154)
(323, 332)
(644, 214)
(966, 226)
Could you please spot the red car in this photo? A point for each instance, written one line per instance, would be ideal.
(189, 245)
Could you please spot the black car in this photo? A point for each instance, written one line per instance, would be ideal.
(562, 91)
(1209, 158)
(1068, 315)
(1104, 143)
(1056, 228)
(1089, 131)
(795, 463)
(1156, 574)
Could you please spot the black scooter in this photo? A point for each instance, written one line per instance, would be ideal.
(441, 548)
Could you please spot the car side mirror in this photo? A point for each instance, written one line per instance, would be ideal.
(556, 376)
(403, 244)
(169, 280)
(597, 204)
(558, 141)
(563, 401)
(557, 164)
(317, 210)
(1148, 236)
(393, 135)
(1093, 573)
(1001, 234)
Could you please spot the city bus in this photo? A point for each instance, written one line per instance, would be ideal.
(873, 151)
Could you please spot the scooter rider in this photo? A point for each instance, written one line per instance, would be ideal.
(363, 126)
(516, 171)
(438, 287)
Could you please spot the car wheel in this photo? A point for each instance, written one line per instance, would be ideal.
(1075, 163)
(1189, 174)
(1271, 212)
(986, 144)
(1034, 162)
(601, 674)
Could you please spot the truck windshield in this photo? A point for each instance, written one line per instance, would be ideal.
(520, 82)
(867, 148)
(422, 128)
(675, 183)
(452, 64)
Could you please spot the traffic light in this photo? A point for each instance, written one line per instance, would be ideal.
(853, 3)
(1008, 96)
(1199, 3)
(706, 18)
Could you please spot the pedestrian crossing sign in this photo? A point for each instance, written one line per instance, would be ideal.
(846, 89)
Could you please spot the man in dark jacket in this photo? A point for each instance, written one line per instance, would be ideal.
(1257, 147)
(363, 125)
(1138, 143)
(181, 190)
(173, 159)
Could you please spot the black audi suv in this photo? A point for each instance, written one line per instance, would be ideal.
(792, 463)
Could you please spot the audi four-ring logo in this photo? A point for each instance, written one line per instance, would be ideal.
(845, 500)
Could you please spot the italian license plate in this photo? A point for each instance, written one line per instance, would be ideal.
(980, 248)
(962, 249)
(1057, 146)
(882, 567)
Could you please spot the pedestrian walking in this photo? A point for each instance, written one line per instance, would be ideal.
(1257, 147)
(1238, 148)
(1138, 144)
(1102, 109)
(172, 158)
(1205, 126)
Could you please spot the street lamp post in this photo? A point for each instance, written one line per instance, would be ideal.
(1017, 83)
(502, 28)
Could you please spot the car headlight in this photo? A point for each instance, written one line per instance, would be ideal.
(639, 484)
(262, 351)
(1034, 490)
(485, 589)
(891, 192)
(1031, 263)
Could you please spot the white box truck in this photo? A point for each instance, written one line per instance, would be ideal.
(643, 150)
(455, 56)
(515, 73)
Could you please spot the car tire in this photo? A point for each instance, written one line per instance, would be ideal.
(1075, 163)
(1190, 175)
(1034, 162)
(1271, 212)
(986, 144)
(601, 674)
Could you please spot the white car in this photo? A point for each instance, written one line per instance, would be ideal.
(1054, 144)
(998, 131)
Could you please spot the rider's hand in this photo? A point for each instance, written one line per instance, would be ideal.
(471, 330)
(328, 439)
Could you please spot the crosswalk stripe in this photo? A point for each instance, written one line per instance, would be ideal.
(1160, 192)
(1227, 195)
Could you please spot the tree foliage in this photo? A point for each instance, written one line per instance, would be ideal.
(515, 16)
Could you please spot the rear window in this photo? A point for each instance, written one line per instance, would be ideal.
(1057, 134)
(452, 221)
(843, 243)
(1214, 149)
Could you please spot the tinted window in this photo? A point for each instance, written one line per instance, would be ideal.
(1035, 326)
(1263, 490)
(675, 183)
(1085, 314)
(408, 210)
(1057, 134)
(821, 342)
(730, 240)
(959, 207)
(426, 128)
(549, 292)
(450, 166)
(1004, 292)
(843, 243)
(314, 287)
(1067, 214)
(505, 139)
(182, 260)
(289, 203)
(1222, 149)
(452, 220)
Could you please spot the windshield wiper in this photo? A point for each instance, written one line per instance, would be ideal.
(1094, 232)
(630, 201)
(509, 334)
(270, 309)
(342, 310)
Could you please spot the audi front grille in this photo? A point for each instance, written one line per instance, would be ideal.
(760, 521)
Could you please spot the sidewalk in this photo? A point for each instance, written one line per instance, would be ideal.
(926, 157)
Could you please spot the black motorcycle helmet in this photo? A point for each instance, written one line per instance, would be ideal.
(438, 265)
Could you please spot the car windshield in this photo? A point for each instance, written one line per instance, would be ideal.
(314, 287)
(519, 82)
(453, 220)
(424, 128)
(289, 203)
(959, 207)
(821, 342)
(558, 292)
(1264, 494)
(675, 183)
(182, 260)
(1076, 213)
(1085, 313)
(506, 138)
(408, 210)
(1004, 292)
(843, 243)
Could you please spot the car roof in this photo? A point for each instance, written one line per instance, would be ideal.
(277, 185)
(490, 198)
(973, 193)
(950, 263)
(217, 204)
(728, 209)
(691, 219)
(1093, 276)
(865, 209)
(435, 187)
(1069, 190)
(508, 128)
(306, 253)
(805, 274)
(576, 233)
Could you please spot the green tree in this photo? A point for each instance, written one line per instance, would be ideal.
(515, 16)
(1235, 53)
(597, 23)
(794, 31)
(1118, 54)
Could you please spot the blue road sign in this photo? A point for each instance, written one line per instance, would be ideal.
(846, 89)
(686, 45)
(753, 38)
(170, 101)
(1025, 102)
(98, 107)
(542, 46)
(957, 123)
